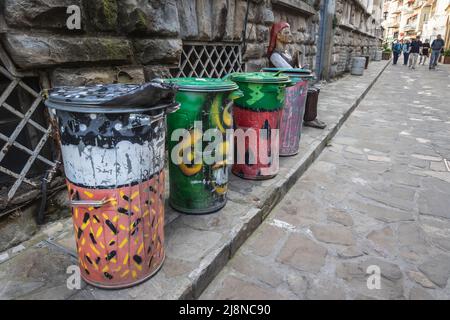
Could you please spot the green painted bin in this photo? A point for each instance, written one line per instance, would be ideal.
(198, 187)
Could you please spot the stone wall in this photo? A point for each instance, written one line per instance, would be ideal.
(135, 40)
(355, 33)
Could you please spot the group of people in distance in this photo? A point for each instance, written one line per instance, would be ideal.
(415, 48)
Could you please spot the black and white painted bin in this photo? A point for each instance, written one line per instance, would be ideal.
(113, 147)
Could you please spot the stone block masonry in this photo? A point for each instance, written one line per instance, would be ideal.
(150, 34)
(355, 32)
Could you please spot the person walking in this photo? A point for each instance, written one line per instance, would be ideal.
(425, 52)
(414, 51)
(436, 47)
(397, 50)
(406, 48)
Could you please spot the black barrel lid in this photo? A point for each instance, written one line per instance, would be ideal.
(112, 96)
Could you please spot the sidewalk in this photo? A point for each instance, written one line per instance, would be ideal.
(378, 197)
(197, 247)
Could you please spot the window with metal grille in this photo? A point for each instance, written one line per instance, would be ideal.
(209, 60)
(25, 144)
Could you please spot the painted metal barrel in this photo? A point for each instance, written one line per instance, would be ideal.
(378, 55)
(312, 102)
(257, 118)
(198, 171)
(358, 66)
(114, 165)
(294, 109)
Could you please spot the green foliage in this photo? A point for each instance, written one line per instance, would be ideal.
(447, 53)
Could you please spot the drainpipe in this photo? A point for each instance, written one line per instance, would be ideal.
(244, 31)
(325, 43)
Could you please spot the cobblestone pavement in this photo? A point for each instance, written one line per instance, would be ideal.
(379, 195)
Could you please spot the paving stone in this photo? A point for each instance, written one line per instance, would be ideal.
(350, 253)
(340, 217)
(190, 244)
(333, 234)
(349, 271)
(383, 238)
(354, 150)
(378, 158)
(234, 288)
(434, 203)
(396, 191)
(410, 234)
(303, 254)
(418, 293)
(441, 242)
(389, 270)
(300, 210)
(384, 214)
(426, 157)
(438, 166)
(437, 269)
(402, 178)
(175, 267)
(253, 268)
(36, 274)
(325, 289)
(387, 198)
(356, 278)
(266, 238)
(421, 279)
(298, 284)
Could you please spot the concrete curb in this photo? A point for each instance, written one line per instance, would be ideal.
(256, 216)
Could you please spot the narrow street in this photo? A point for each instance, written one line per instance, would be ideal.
(379, 195)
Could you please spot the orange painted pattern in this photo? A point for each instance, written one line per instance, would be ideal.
(121, 243)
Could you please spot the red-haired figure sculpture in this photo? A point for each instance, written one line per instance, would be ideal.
(280, 57)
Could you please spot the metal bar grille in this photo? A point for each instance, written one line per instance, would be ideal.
(22, 113)
(211, 60)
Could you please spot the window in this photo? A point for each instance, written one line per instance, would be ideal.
(212, 60)
(25, 139)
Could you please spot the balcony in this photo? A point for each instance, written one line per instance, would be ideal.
(394, 26)
(410, 27)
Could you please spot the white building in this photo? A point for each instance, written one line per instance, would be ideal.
(438, 21)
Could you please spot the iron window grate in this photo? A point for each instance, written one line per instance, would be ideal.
(25, 138)
(209, 60)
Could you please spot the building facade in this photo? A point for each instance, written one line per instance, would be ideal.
(408, 19)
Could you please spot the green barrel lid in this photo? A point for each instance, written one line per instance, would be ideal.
(288, 70)
(203, 84)
(292, 72)
(260, 77)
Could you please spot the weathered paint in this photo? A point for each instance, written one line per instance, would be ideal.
(104, 168)
(109, 151)
(257, 121)
(292, 118)
(121, 243)
(201, 188)
(260, 108)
